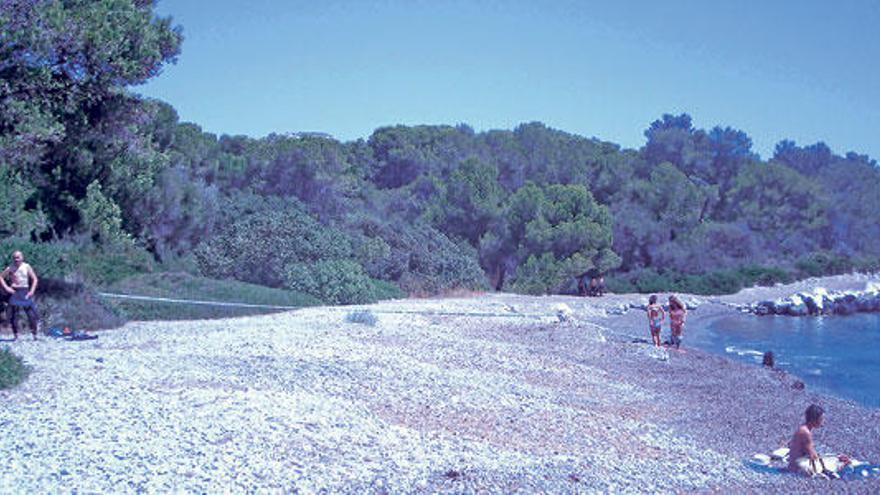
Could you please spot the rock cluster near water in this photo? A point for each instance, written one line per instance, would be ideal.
(820, 301)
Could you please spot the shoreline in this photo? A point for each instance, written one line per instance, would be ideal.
(429, 400)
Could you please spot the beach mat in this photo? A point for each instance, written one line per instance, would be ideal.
(777, 463)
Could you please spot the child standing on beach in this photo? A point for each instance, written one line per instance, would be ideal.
(677, 315)
(655, 317)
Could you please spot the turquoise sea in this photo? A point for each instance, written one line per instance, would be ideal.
(834, 354)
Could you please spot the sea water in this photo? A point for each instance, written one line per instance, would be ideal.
(834, 354)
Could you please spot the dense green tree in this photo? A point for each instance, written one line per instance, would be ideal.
(421, 259)
(673, 139)
(709, 247)
(404, 153)
(852, 186)
(177, 213)
(554, 233)
(470, 201)
(65, 118)
(786, 208)
(808, 160)
(102, 218)
(20, 214)
(677, 201)
(649, 214)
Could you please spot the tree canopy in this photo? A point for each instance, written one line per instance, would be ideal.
(426, 208)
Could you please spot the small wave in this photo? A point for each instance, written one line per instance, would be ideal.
(819, 359)
(743, 352)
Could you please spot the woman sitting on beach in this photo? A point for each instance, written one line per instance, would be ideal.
(677, 315)
(802, 455)
(656, 314)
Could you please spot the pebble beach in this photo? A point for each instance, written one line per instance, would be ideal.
(491, 393)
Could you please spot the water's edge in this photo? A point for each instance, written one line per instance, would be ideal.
(835, 355)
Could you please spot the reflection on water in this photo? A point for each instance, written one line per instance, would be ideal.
(838, 354)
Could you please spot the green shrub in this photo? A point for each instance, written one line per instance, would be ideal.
(765, 276)
(821, 263)
(103, 267)
(420, 258)
(648, 280)
(13, 369)
(619, 284)
(383, 289)
(869, 264)
(362, 316)
(76, 305)
(717, 282)
(258, 247)
(333, 281)
(539, 275)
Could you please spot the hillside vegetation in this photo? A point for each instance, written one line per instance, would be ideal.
(99, 184)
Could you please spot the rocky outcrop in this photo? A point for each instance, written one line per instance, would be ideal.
(821, 302)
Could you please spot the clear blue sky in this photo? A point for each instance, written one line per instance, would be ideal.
(803, 70)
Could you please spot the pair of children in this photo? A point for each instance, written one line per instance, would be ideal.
(656, 315)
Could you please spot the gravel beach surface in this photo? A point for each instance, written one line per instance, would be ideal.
(483, 394)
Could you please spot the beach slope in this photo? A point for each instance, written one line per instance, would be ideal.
(490, 394)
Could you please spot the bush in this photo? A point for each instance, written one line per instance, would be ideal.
(717, 282)
(104, 267)
(13, 370)
(437, 264)
(259, 247)
(867, 264)
(539, 275)
(333, 281)
(420, 258)
(648, 280)
(386, 290)
(765, 276)
(619, 284)
(362, 316)
(78, 307)
(821, 263)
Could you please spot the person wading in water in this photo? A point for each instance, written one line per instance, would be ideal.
(655, 318)
(677, 315)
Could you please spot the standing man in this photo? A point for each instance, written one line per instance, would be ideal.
(21, 292)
